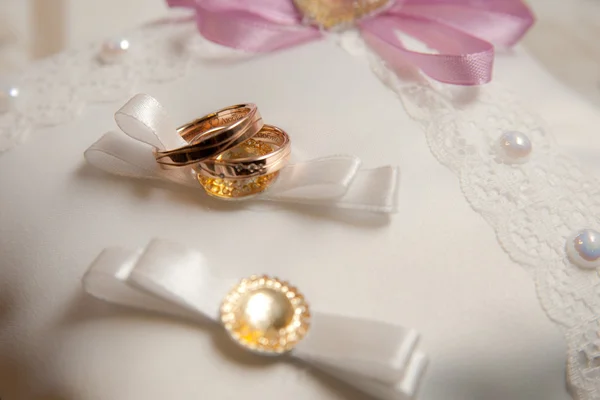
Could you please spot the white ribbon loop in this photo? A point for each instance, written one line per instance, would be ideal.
(145, 119)
(375, 357)
(335, 181)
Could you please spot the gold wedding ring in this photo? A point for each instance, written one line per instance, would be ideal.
(247, 169)
(265, 315)
(234, 154)
(273, 150)
(213, 134)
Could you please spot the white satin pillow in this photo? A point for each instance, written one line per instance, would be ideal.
(435, 266)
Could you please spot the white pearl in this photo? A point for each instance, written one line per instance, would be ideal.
(8, 98)
(514, 147)
(583, 248)
(113, 50)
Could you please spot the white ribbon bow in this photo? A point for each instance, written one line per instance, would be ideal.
(335, 181)
(376, 357)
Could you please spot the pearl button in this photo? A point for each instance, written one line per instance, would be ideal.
(583, 248)
(265, 315)
(264, 312)
(8, 99)
(514, 147)
(113, 51)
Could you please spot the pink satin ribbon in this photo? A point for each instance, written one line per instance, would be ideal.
(463, 32)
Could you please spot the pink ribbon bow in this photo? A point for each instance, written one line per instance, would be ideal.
(463, 32)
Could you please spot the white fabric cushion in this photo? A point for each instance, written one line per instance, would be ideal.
(435, 266)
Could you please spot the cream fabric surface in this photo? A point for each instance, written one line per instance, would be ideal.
(435, 266)
(565, 41)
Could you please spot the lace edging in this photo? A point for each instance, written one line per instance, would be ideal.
(533, 207)
(56, 90)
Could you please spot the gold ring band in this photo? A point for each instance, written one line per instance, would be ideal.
(213, 134)
(233, 164)
(235, 174)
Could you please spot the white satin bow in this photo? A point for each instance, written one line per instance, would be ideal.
(376, 357)
(335, 181)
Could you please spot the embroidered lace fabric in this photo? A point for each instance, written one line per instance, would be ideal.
(533, 207)
(56, 90)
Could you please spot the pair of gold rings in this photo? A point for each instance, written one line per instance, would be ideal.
(233, 153)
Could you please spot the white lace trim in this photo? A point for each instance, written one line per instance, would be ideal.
(55, 91)
(533, 207)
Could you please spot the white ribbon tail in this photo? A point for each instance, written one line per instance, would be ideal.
(320, 179)
(376, 357)
(373, 190)
(381, 350)
(121, 155)
(405, 389)
(383, 363)
(337, 181)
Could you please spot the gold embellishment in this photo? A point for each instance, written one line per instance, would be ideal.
(232, 189)
(265, 315)
(329, 14)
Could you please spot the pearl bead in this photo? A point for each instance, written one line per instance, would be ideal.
(114, 50)
(514, 147)
(583, 248)
(8, 99)
(264, 312)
